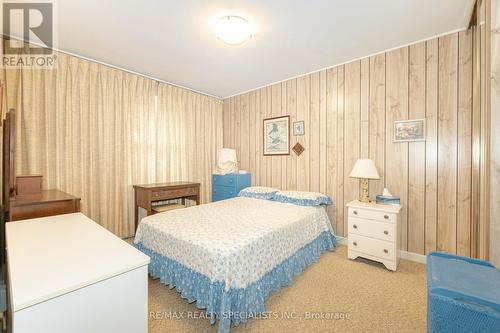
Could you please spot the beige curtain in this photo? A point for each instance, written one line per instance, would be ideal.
(189, 140)
(94, 131)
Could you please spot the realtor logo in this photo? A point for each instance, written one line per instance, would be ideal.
(28, 30)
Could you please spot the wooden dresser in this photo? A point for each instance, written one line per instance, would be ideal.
(47, 203)
(22, 196)
(146, 195)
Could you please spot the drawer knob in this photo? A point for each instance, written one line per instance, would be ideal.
(355, 226)
(386, 251)
(355, 212)
(386, 232)
(355, 244)
(386, 216)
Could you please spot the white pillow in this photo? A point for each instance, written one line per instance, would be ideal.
(303, 198)
(258, 192)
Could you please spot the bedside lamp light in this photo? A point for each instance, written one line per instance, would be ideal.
(364, 169)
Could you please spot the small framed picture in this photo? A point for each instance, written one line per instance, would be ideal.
(298, 128)
(277, 136)
(409, 130)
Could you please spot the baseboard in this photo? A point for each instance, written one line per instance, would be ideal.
(411, 256)
(341, 240)
(405, 255)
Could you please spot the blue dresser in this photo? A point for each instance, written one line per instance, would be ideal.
(228, 186)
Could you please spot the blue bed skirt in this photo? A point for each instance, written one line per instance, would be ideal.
(234, 305)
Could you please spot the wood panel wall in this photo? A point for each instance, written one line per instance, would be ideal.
(495, 135)
(349, 112)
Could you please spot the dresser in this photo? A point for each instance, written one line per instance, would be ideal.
(228, 186)
(373, 232)
(67, 273)
(47, 203)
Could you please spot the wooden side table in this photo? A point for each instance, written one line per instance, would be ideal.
(47, 203)
(147, 194)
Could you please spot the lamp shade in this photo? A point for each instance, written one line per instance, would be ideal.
(226, 162)
(365, 168)
(226, 155)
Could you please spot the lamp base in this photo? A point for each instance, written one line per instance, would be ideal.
(364, 195)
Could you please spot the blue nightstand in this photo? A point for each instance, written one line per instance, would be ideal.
(228, 186)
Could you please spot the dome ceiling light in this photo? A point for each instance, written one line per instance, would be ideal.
(232, 29)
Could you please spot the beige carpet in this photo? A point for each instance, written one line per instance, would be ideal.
(333, 295)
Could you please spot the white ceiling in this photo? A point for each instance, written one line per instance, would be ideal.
(172, 40)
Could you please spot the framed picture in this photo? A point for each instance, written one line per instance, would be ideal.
(409, 130)
(298, 128)
(277, 136)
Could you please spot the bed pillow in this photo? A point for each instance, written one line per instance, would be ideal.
(303, 198)
(258, 192)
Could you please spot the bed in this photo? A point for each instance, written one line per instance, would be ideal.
(229, 256)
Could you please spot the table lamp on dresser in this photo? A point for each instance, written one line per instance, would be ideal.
(365, 170)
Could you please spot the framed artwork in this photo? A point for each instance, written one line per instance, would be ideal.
(409, 130)
(277, 136)
(298, 128)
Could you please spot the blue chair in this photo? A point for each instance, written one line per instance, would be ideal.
(463, 294)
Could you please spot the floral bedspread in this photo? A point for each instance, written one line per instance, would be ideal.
(234, 241)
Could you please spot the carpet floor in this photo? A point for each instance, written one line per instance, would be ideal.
(332, 295)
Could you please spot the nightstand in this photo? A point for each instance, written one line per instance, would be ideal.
(373, 232)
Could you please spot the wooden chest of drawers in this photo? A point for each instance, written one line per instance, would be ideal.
(373, 232)
(47, 203)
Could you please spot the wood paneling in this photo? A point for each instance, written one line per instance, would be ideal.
(495, 135)
(314, 145)
(447, 144)
(396, 174)
(303, 97)
(291, 102)
(349, 112)
(323, 137)
(352, 137)
(365, 108)
(416, 151)
(431, 144)
(377, 121)
(464, 185)
(276, 112)
(244, 130)
(341, 218)
(332, 142)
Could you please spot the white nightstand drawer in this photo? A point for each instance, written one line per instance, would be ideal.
(374, 229)
(374, 247)
(372, 215)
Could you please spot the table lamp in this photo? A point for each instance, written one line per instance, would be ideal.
(364, 169)
(226, 161)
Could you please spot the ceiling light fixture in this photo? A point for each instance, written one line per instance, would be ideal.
(232, 29)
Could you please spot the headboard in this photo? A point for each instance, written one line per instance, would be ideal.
(8, 159)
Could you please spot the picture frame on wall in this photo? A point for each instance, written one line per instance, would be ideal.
(298, 128)
(276, 133)
(409, 130)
